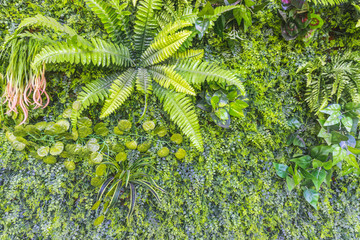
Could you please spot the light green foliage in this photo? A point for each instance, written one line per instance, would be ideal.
(148, 58)
(334, 81)
(230, 191)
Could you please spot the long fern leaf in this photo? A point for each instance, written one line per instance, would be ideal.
(182, 112)
(197, 72)
(119, 92)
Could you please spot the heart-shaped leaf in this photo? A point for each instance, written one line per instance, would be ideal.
(334, 108)
(92, 145)
(348, 122)
(281, 169)
(339, 154)
(304, 162)
(319, 178)
(96, 157)
(312, 197)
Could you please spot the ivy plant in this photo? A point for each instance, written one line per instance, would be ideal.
(338, 155)
(221, 104)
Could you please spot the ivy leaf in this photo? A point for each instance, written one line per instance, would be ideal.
(348, 122)
(207, 10)
(202, 25)
(321, 152)
(316, 163)
(339, 154)
(281, 169)
(319, 178)
(236, 108)
(222, 114)
(333, 119)
(304, 162)
(297, 176)
(324, 134)
(351, 159)
(57, 148)
(312, 197)
(355, 151)
(214, 101)
(337, 137)
(298, 141)
(290, 183)
(334, 108)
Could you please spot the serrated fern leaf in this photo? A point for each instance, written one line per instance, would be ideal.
(46, 22)
(164, 48)
(145, 24)
(107, 15)
(195, 54)
(329, 2)
(172, 28)
(143, 81)
(166, 76)
(93, 92)
(182, 113)
(119, 92)
(103, 53)
(197, 72)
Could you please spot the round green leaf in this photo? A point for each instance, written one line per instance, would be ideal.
(96, 157)
(57, 148)
(148, 125)
(70, 165)
(163, 152)
(121, 156)
(180, 154)
(131, 145)
(176, 138)
(161, 131)
(281, 169)
(49, 160)
(43, 151)
(92, 145)
(101, 170)
(124, 125)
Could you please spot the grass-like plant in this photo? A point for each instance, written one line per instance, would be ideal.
(126, 176)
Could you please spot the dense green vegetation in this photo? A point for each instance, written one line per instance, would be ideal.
(251, 133)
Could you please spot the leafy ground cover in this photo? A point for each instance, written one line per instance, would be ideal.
(229, 191)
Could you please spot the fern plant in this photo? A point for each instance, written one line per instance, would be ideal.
(337, 80)
(152, 55)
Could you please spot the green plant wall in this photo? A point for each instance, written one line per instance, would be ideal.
(230, 191)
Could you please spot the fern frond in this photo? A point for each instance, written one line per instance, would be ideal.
(119, 92)
(182, 113)
(164, 48)
(329, 2)
(103, 53)
(45, 22)
(220, 10)
(172, 28)
(93, 92)
(143, 81)
(195, 54)
(166, 76)
(107, 15)
(145, 24)
(37, 36)
(197, 72)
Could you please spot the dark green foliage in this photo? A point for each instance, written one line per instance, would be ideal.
(231, 191)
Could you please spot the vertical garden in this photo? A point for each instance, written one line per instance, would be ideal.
(151, 119)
